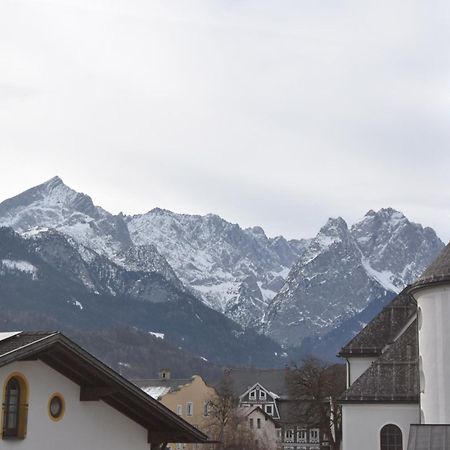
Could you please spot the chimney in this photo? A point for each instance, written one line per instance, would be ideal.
(164, 374)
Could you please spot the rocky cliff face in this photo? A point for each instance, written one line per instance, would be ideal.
(288, 290)
(236, 271)
(344, 270)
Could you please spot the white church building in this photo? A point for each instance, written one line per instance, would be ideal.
(55, 395)
(398, 370)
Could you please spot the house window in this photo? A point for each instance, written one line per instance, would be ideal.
(56, 407)
(302, 436)
(189, 408)
(15, 408)
(289, 435)
(180, 410)
(250, 421)
(314, 435)
(252, 395)
(269, 410)
(391, 438)
(206, 409)
(262, 395)
(258, 423)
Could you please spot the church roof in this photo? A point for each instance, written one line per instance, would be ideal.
(437, 273)
(393, 377)
(99, 382)
(429, 437)
(383, 329)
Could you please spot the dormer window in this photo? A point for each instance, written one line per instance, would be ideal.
(252, 395)
(269, 410)
(262, 395)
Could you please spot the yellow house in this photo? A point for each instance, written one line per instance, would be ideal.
(188, 397)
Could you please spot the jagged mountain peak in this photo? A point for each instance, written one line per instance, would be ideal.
(334, 227)
(343, 270)
(389, 216)
(48, 204)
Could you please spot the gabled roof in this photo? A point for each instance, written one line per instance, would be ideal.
(247, 410)
(262, 388)
(273, 380)
(99, 382)
(393, 377)
(158, 387)
(383, 329)
(437, 273)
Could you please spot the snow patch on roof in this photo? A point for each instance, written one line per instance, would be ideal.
(156, 391)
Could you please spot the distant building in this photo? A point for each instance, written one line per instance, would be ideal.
(187, 397)
(267, 390)
(398, 370)
(58, 396)
(262, 425)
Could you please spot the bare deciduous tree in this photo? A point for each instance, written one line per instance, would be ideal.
(316, 385)
(226, 424)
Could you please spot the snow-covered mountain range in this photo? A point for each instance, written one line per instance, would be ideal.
(236, 271)
(343, 270)
(287, 289)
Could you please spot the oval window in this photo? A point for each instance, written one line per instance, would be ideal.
(56, 407)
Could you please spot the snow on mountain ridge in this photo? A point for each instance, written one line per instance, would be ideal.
(235, 270)
(53, 205)
(291, 288)
(343, 270)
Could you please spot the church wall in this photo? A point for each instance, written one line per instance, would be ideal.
(434, 351)
(362, 423)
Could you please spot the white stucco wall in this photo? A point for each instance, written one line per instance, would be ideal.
(434, 351)
(361, 423)
(85, 425)
(357, 366)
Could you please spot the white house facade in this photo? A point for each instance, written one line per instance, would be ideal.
(57, 396)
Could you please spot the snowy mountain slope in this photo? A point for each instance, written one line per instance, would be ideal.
(236, 271)
(46, 280)
(53, 205)
(287, 289)
(343, 270)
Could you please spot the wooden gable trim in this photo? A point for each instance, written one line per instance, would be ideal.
(95, 393)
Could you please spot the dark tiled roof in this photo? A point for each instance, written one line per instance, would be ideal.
(438, 272)
(22, 339)
(393, 377)
(271, 379)
(293, 411)
(429, 437)
(383, 329)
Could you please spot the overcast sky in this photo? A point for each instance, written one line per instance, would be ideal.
(276, 113)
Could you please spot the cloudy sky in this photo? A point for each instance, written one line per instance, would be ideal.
(276, 113)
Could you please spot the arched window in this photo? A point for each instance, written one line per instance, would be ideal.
(391, 438)
(15, 408)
